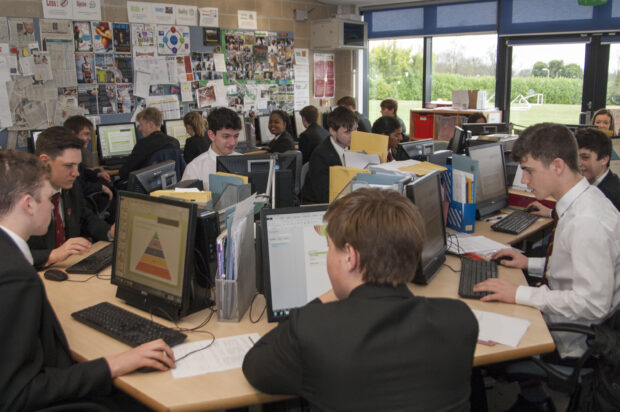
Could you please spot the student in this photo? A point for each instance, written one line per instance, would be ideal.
(362, 121)
(38, 370)
(278, 123)
(604, 119)
(73, 222)
(224, 129)
(198, 143)
(369, 343)
(389, 107)
(389, 126)
(341, 122)
(91, 180)
(476, 118)
(313, 135)
(581, 277)
(153, 141)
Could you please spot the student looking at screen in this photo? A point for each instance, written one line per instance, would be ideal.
(369, 343)
(604, 119)
(73, 222)
(153, 141)
(282, 142)
(389, 126)
(330, 152)
(313, 135)
(38, 369)
(198, 143)
(224, 129)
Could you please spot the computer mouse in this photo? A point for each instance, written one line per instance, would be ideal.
(55, 275)
(532, 208)
(502, 260)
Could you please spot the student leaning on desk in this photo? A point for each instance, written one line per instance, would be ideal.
(369, 344)
(581, 276)
(37, 369)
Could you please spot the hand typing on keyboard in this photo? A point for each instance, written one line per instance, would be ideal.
(73, 246)
(155, 354)
(500, 290)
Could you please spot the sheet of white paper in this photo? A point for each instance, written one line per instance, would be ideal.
(187, 189)
(139, 12)
(87, 10)
(397, 164)
(360, 160)
(506, 330)
(480, 245)
(186, 92)
(5, 72)
(187, 15)
(246, 19)
(301, 57)
(209, 17)
(223, 354)
(220, 62)
(5, 115)
(141, 88)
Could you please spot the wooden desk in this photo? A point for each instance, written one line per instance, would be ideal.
(484, 229)
(230, 389)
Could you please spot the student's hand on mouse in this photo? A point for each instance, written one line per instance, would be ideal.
(73, 246)
(155, 354)
(501, 290)
(537, 208)
(511, 258)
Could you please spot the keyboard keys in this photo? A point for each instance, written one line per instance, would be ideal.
(94, 263)
(515, 223)
(126, 326)
(474, 272)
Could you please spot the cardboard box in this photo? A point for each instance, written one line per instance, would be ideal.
(469, 99)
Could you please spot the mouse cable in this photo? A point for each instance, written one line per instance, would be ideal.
(182, 329)
(261, 313)
(83, 280)
(208, 345)
(451, 268)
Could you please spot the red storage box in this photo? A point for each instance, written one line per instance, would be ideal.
(423, 125)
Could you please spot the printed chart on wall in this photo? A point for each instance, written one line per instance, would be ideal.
(324, 77)
(156, 248)
(173, 39)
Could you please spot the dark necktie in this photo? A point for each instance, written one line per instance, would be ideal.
(390, 157)
(59, 229)
(555, 217)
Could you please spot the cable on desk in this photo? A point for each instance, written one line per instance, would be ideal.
(208, 345)
(262, 312)
(103, 277)
(451, 268)
(83, 280)
(181, 329)
(452, 239)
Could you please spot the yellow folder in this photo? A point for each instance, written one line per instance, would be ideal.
(370, 143)
(244, 179)
(204, 196)
(422, 168)
(339, 177)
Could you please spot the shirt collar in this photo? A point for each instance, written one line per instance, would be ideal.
(569, 197)
(20, 243)
(338, 148)
(601, 178)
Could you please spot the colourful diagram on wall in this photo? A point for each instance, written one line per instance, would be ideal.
(153, 260)
(173, 40)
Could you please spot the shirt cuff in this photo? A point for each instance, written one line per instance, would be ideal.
(523, 295)
(535, 265)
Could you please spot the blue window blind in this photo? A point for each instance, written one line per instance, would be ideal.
(475, 16)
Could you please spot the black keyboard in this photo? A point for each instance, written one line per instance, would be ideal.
(515, 223)
(474, 272)
(95, 263)
(126, 326)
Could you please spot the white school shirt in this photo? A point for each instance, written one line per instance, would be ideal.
(203, 166)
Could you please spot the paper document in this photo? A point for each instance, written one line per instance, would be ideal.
(462, 243)
(360, 160)
(500, 329)
(223, 354)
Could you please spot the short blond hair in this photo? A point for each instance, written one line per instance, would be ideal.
(384, 227)
(151, 114)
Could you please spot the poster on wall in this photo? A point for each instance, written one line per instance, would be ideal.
(85, 67)
(144, 41)
(324, 77)
(186, 15)
(86, 9)
(82, 36)
(163, 14)
(209, 17)
(102, 37)
(139, 12)
(57, 9)
(122, 37)
(173, 40)
(246, 19)
(21, 31)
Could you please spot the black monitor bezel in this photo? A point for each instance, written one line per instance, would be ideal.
(461, 143)
(481, 129)
(103, 160)
(141, 298)
(415, 143)
(265, 252)
(426, 271)
(495, 204)
(134, 176)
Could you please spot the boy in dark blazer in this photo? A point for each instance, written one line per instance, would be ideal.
(329, 152)
(314, 134)
(369, 344)
(37, 368)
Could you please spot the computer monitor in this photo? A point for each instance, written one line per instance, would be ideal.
(176, 128)
(153, 264)
(427, 195)
(574, 127)
(115, 142)
(158, 176)
(32, 141)
(256, 168)
(294, 258)
(299, 125)
(418, 149)
(459, 140)
(491, 192)
(480, 129)
(262, 130)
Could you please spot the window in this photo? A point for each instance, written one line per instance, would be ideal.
(613, 79)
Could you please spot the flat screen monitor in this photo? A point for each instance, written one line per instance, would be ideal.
(158, 176)
(574, 127)
(480, 129)
(176, 128)
(491, 191)
(115, 141)
(418, 149)
(459, 140)
(262, 130)
(299, 125)
(427, 195)
(294, 258)
(256, 168)
(153, 264)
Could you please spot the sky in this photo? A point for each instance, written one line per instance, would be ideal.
(523, 57)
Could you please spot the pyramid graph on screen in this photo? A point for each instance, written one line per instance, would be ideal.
(153, 261)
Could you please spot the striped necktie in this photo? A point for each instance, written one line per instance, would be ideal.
(59, 229)
(555, 217)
